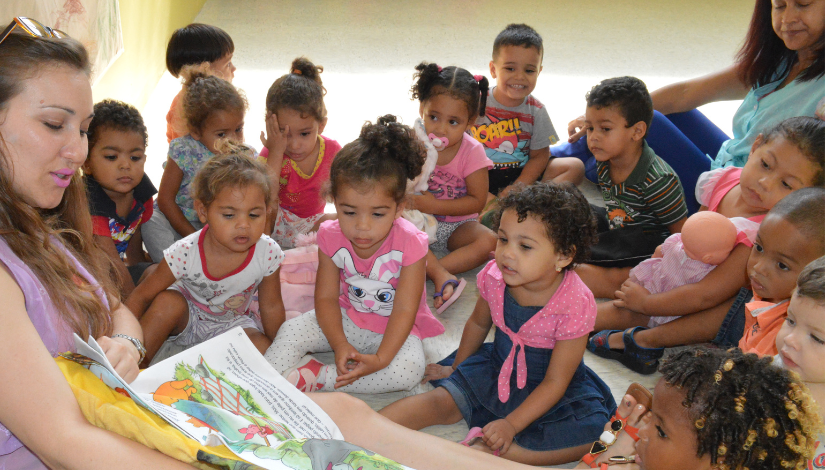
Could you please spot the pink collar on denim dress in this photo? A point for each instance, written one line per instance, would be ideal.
(570, 313)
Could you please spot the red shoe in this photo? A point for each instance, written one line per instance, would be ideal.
(309, 375)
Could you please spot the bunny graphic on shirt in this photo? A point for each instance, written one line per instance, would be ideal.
(370, 293)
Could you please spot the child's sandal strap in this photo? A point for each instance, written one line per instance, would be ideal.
(589, 459)
(631, 431)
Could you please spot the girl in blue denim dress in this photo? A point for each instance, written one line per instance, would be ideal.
(527, 395)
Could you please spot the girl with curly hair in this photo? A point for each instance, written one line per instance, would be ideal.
(527, 394)
(214, 111)
(377, 258)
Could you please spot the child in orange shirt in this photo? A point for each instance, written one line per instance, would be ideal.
(191, 45)
(790, 237)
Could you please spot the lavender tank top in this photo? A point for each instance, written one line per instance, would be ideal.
(55, 333)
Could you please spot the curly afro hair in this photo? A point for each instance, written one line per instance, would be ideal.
(747, 413)
(563, 209)
(119, 116)
(387, 152)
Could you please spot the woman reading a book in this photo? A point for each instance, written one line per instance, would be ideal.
(53, 280)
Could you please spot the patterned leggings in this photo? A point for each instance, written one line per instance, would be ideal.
(302, 335)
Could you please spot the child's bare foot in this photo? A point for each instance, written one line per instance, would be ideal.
(625, 444)
(447, 287)
(623, 426)
(442, 281)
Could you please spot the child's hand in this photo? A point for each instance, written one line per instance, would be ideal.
(657, 253)
(504, 191)
(435, 372)
(364, 364)
(343, 356)
(274, 139)
(631, 296)
(424, 202)
(499, 434)
(576, 129)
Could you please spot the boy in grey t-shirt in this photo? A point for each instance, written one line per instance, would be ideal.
(516, 130)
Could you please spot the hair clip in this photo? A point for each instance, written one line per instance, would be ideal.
(439, 68)
(717, 377)
(700, 423)
(722, 449)
(478, 77)
(297, 72)
(728, 365)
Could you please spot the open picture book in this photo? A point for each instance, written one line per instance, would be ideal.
(223, 392)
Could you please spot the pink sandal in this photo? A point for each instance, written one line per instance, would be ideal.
(458, 288)
(474, 435)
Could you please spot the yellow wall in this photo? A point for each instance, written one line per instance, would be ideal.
(147, 26)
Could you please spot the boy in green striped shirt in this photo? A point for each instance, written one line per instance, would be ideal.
(644, 199)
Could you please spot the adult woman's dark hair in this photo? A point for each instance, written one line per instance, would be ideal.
(783, 58)
(764, 54)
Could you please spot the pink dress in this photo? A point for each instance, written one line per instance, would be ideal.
(570, 313)
(712, 186)
(449, 181)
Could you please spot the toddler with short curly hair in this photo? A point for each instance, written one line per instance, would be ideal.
(214, 110)
(120, 193)
(528, 394)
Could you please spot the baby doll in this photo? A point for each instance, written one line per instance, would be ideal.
(706, 240)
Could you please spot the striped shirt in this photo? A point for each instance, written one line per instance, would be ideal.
(651, 197)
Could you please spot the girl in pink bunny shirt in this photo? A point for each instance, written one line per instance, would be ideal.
(527, 396)
(376, 324)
